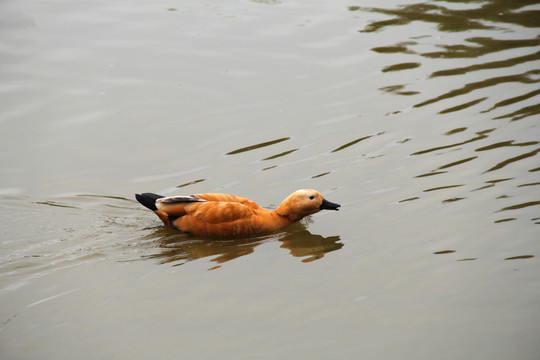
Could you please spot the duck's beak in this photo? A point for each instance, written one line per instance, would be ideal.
(327, 205)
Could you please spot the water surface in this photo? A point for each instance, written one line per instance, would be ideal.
(421, 119)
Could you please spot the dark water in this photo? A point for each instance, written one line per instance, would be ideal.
(421, 119)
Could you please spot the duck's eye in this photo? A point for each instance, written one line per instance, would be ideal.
(311, 197)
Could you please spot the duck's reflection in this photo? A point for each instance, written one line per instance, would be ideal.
(177, 249)
(311, 247)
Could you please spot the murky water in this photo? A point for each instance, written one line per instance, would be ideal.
(421, 119)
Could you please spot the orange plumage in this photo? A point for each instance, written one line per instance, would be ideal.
(229, 216)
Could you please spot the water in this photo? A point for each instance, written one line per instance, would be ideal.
(421, 119)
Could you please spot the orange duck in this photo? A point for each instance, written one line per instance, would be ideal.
(229, 216)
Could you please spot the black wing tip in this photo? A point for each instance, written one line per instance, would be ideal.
(148, 200)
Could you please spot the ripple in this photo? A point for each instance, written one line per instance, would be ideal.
(443, 187)
(487, 45)
(447, 20)
(504, 163)
(529, 184)
(52, 297)
(452, 200)
(489, 65)
(257, 146)
(491, 183)
(402, 66)
(397, 89)
(409, 199)
(521, 113)
(524, 78)
(53, 203)
(320, 175)
(508, 143)
(489, 72)
(520, 206)
(481, 135)
(351, 143)
(520, 257)
(514, 100)
(459, 162)
(462, 106)
(280, 154)
(438, 171)
(190, 183)
(504, 220)
(455, 131)
(397, 48)
(443, 252)
(431, 174)
(454, 20)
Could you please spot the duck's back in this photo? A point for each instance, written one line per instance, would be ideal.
(228, 198)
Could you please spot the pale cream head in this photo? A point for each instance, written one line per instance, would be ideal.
(304, 202)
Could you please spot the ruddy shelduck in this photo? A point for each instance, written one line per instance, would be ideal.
(229, 216)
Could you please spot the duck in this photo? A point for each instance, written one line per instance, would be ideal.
(227, 216)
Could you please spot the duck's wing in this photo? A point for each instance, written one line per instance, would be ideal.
(211, 208)
(217, 212)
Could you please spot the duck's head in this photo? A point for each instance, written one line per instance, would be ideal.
(304, 202)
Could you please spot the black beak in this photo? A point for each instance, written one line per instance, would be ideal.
(327, 205)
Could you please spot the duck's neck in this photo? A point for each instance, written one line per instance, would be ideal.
(284, 211)
(281, 217)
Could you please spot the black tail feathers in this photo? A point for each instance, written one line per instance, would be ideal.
(148, 200)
